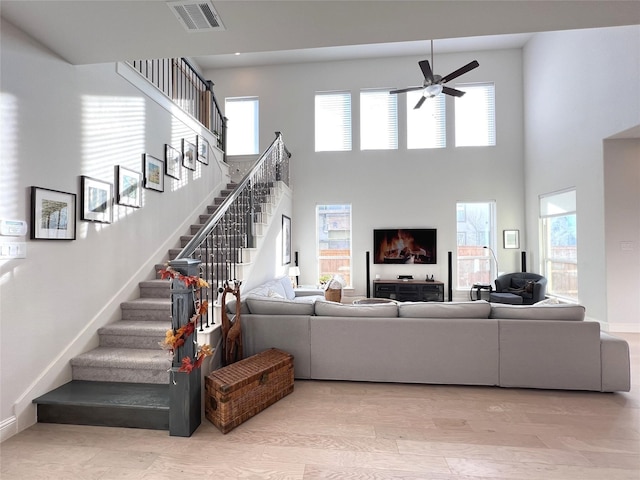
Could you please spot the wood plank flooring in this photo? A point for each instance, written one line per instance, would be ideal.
(344, 430)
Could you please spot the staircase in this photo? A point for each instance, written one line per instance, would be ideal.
(124, 382)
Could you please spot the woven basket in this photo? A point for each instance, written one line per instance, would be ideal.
(333, 294)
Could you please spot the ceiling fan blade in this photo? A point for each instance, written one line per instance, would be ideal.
(452, 91)
(408, 89)
(426, 70)
(420, 102)
(461, 71)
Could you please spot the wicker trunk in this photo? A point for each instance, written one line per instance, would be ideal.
(239, 391)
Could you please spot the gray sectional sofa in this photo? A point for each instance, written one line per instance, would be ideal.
(466, 343)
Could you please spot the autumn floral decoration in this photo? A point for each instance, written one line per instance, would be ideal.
(175, 338)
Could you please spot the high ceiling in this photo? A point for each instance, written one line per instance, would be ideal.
(265, 31)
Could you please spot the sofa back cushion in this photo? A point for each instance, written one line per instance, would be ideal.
(278, 306)
(562, 311)
(478, 309)
(333, 309)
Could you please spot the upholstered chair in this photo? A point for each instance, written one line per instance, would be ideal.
(517, 284)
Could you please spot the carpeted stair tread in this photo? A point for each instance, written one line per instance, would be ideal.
(136, 328)
(129, 358)
(148, 303)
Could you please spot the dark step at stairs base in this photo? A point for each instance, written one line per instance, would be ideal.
(107, 404)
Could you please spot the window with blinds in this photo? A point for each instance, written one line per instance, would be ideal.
(378, 120)
(426, 126)
(242, 125)
(332, 121)
(475, 122)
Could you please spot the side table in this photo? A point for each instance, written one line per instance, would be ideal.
(478, 287)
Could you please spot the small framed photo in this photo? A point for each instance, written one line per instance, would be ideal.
(153, 169)
(511, 238)
(286, 240)
(173, 161)
(97, 200)
(128, 187)
(188, 154)
(53, 214)
(203, 150)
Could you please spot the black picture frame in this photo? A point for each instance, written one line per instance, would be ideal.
(511, 239)
(286, 240)
(203, 148)
(189, 154)
(96, 200)
(53, 214)
(128, 187)
(173, 161)
(153, 169)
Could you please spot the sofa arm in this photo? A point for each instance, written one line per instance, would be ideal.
(308, 292)
(614, 357)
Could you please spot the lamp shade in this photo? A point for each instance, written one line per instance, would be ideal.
(294, 271)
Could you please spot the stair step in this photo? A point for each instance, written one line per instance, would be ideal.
(108, 404)
(157, 309)
(134, 334)
(110, 364)
(155, 288)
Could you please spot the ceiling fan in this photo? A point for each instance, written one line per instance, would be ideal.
(433, 84)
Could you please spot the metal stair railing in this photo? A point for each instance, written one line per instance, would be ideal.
(220, 242)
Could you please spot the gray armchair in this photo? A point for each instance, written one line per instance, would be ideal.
(518, 284)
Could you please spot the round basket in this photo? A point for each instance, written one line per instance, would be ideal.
(333, 294)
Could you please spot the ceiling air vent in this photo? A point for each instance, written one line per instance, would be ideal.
(196, 16)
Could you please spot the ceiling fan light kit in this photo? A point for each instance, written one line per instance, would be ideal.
(432, 85)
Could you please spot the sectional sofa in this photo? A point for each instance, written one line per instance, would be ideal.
(465, 343)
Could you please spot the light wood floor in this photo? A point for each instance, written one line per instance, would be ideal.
(342, 430)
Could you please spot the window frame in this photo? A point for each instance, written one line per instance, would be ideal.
(436, 108)
(322, 125)
(245, 131)
(349, 257)
(374, 116)
(464, 120)
(476, 274)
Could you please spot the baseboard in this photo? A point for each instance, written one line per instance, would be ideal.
(8, 428)
(621, 327)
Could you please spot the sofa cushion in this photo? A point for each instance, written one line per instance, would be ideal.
(274, 306)
(287, 287)
(563, 311)
(334, 309)
(477, 309)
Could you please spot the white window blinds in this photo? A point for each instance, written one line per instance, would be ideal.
(332, 121)
(475, 115)
(426, 126)
(242, 130)
(378, 120)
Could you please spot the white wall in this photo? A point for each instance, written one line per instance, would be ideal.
(622, 226)
(581, 87)
(402, 188)
(59, 122)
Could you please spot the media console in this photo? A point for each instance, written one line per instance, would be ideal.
(409, 290)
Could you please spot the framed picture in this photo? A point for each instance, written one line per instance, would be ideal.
(286, 240)
(97, 200)
(188, 155)
(511, 238)
(53, 214)
(153, 172)
(203, 150)
(173, 161)
(128, 187)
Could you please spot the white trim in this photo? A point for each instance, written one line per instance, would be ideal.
(8, 428)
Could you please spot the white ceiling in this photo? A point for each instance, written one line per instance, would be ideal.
(266, 32)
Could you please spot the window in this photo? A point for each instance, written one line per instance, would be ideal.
(378, 120)
(475, 230)
(333, 227)
(426, 126)
(559, 246)
(475, 115)
(242, 125)
(333, 121)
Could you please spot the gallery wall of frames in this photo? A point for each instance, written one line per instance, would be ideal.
(54, 213)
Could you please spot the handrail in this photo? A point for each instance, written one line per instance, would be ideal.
(231, 228)
(199, 237)
(186, 87)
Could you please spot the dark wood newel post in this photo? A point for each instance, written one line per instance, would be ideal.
(185, 388)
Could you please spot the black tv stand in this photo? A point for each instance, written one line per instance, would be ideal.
(409, 290)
